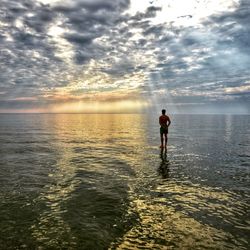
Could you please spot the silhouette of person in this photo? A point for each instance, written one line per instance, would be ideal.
(164, 122)
(164, 165)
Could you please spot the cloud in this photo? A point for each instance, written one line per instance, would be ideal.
(85, 46)
(243, 90)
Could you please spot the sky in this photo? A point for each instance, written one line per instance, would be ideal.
(125, 56)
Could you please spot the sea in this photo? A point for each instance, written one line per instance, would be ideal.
(100, 181)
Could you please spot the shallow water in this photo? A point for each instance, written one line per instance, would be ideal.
(101, 182)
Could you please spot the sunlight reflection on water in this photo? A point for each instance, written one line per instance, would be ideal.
(100, 181)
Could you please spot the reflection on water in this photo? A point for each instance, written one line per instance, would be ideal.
(50, 227)
(173, 218)
(85, 170)
(164, 164)
(101, 182)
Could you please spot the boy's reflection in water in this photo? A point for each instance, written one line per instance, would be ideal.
(164, 165)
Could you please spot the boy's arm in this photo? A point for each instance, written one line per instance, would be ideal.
(169, 122)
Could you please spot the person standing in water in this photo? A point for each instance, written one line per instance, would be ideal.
(164, 122)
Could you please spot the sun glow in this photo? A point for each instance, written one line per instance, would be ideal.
(126, 106)
(182, 13)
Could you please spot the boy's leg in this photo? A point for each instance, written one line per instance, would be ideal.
(161, 140)
(166, 140)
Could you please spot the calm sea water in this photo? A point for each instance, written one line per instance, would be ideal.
(101, 182)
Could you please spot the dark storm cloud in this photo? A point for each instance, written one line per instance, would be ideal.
(123, 66)
(155, 30)
(88, 20)
(79, 39)
(44, 16)
(150, 13)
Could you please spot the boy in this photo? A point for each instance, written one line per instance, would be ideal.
(164, 121)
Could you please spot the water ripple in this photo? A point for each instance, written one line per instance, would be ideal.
(69, 182)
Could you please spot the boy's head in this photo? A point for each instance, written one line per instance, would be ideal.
(163, 111)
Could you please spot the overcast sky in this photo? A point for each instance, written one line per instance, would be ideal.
(125, 56)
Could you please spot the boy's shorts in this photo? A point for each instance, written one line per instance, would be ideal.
(163, 130)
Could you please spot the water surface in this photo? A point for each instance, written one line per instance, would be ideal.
(101, 182)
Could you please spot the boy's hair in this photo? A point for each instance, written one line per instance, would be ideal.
(163, 111)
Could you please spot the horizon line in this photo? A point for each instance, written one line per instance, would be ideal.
(110, 113)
